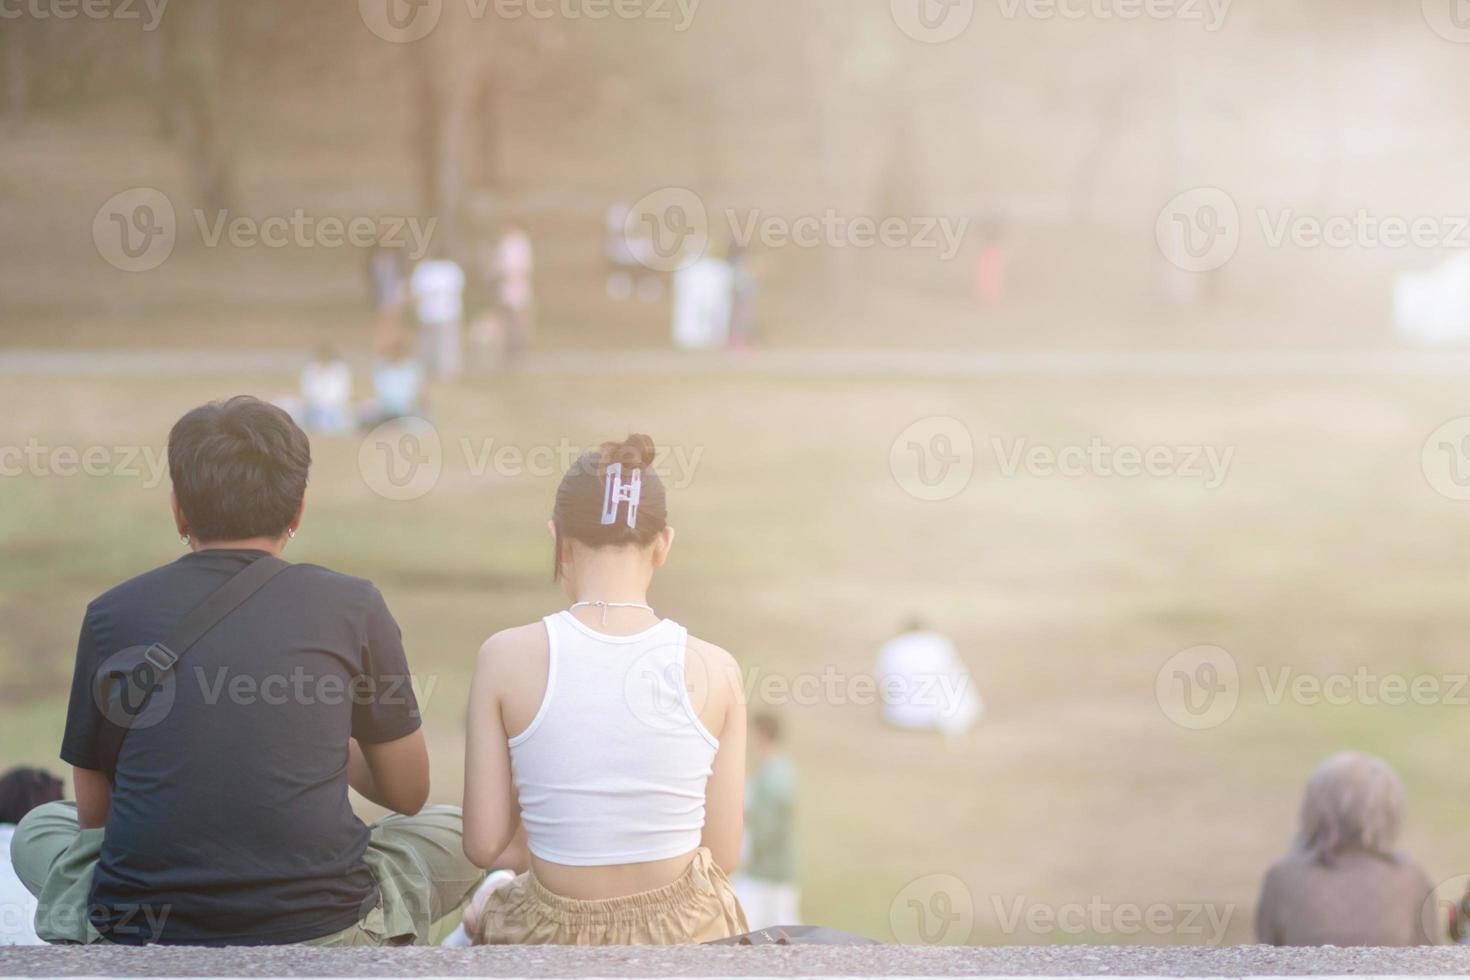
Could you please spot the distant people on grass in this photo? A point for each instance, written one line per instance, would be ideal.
(326, 393)
(767, 882)
(925, 685)
(1344, 883)
(21, 791)
(437, 286)
(611, 734)
(226, 820)
(387, 275)
(1431, 307)
(628, 248)
(992, 263)
(515, 268)
(745, 287)
(398, 384)
(704, 292)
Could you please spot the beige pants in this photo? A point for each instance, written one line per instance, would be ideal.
(701, 906)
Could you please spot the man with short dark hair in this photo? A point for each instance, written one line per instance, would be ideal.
(219, 813)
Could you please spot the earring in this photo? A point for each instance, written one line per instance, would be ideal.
(290, 532)
(183, 539)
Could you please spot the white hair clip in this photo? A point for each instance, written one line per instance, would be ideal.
(615, 491)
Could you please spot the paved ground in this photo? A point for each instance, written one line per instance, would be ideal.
(765, 962)
(927, 363)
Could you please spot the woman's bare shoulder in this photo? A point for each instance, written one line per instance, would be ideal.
(716, 662)
(514, 647)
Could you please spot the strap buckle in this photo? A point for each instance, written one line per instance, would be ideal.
(161, 657)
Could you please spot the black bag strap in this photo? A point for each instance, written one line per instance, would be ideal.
(223, 601)
(190, 630)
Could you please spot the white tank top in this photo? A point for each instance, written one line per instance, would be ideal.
(613, 767)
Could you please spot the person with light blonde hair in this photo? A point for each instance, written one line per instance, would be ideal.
(1343, 883)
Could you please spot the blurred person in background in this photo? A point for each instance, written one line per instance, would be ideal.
(398, 383)
(21, 791)
(622, 266)
(438, 287)
(704, 291)
(629, 255)
(767, 879)
(745, 286)
(222, 817)
(387, 275)
(1343, 883)
(326, 393)
(612, 734)
(515, 268)
(991, 265)
(924, 684)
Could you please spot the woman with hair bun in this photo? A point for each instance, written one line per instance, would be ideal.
(611, 734)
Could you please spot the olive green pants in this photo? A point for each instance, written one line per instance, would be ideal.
(423, 876)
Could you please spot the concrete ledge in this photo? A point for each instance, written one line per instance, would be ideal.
(758, 962)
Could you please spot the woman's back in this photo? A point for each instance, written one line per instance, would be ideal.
(1360, 899)
(615, 738)
(620, 728)
(609, 757)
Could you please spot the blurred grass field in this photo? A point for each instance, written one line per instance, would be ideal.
(1324, 550)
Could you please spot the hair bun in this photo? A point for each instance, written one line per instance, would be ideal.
(637, 451)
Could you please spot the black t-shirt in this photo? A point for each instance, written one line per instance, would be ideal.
(230, 820)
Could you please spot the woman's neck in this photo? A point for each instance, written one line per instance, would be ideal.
(610, 593)
(613, 578)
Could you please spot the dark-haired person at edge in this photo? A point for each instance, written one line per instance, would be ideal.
(21, 791)
(614, 736)
(227, 819)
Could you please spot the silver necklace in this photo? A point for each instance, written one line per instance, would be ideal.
(605, 606)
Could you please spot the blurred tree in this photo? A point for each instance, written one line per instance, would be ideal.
(200, 80)
(15, 51)
(450, 66)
